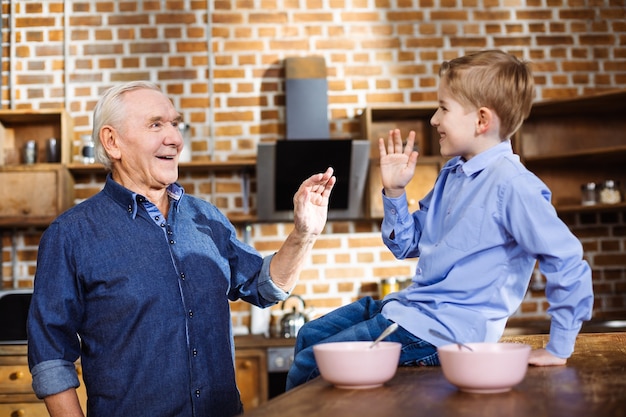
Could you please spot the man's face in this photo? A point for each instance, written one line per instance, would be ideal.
(148, 142)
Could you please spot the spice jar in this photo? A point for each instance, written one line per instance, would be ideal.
(588, 194)
(609, 193)
(30, 152)
(88, 149)
(387, 286)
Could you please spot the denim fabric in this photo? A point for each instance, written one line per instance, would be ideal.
(478, 235)
(360, 320)
(144, 302)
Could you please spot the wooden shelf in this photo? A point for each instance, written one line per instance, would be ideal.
(615, 154)
(22, 125)
(193, 166)
(568, 143)
(591, 208)
(376, 121)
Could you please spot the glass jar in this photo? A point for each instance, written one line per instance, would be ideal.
(30, 152)
(588, 194)
(387, 286)
(609, 193)
(88, 150)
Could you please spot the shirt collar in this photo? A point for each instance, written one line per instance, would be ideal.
(483, 159)
(131, 200)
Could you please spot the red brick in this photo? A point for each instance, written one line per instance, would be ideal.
(554, 40)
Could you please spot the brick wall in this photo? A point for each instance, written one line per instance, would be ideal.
(221, 62)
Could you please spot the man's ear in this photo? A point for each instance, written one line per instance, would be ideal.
(109, 139)
(484, 120)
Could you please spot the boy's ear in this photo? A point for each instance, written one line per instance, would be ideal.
(484, 120)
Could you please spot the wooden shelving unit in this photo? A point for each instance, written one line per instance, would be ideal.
(376, 122)
(568, 143)
(193, 166)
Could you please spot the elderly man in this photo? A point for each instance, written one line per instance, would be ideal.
(136, 281)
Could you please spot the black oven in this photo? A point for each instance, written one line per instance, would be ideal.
(279, 359)
(14, 306)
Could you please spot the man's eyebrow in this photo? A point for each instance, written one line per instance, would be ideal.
(177, 119)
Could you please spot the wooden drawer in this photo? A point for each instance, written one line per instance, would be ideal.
(15, 379)
(34, 195)
(251, 373)
(24, 410)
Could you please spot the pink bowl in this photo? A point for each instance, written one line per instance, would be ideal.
(355, 365)
(490, 368)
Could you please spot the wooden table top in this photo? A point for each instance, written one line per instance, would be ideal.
(593, 383)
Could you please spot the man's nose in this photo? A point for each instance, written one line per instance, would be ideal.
(175, 132)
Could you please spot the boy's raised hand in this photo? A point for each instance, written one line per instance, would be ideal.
(397, 163)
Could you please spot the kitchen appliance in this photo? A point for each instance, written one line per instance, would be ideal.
(14, 305)
(279, 359)
(292, 322)
(281, 167)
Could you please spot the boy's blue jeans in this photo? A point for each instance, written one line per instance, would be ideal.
(360, 320)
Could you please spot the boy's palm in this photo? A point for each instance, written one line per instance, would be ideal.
(397, 163)
(396, 170)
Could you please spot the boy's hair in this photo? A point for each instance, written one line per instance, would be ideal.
(492, 79)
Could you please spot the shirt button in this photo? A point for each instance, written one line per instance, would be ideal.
(194, 352)
(197, 393)
(190, 314)
(171, 241)
(182, 276)
(156, 218)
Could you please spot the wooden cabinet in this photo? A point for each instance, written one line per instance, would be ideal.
(257, 378)
(20, 126)
(376, 122)
(572, 142)
(251, 374)
(34, 195)
(16, 395)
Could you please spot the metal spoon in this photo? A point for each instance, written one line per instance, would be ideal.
(449, 339)
(392, 328)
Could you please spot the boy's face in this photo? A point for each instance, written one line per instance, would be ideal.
(457, 126)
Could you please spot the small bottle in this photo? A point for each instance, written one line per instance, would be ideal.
(588, 194)
(610, 194)
(52, 150)
(387, 286)
(88, 151)
(30, 152)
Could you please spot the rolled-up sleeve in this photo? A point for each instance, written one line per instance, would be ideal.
(267, 289)
(54, 376)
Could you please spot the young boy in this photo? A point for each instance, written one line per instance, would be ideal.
(478, 233)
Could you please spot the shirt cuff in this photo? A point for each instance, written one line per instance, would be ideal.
(267, 289)
(396, 214)
(562, 342)
(54, 376)
(397, 206)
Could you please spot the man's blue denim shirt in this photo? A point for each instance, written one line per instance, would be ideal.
(144, 303)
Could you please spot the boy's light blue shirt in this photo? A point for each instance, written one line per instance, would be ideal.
(478, 234)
